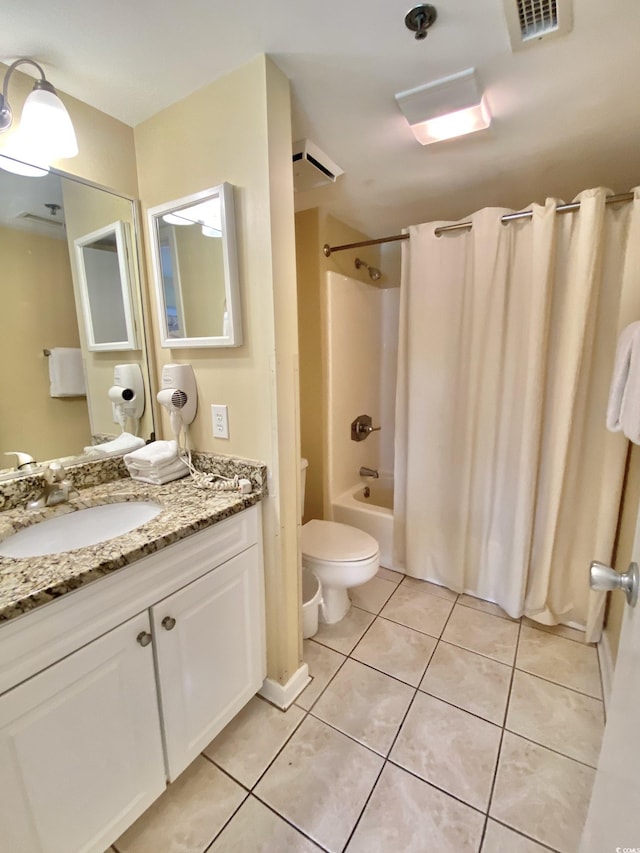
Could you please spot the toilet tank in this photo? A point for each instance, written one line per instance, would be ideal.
(304, 464)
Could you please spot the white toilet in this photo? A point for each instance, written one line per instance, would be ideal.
(340, 556)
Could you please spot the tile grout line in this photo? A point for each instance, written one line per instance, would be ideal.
(503, 727)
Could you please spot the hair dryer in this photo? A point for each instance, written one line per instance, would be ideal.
(179, 395)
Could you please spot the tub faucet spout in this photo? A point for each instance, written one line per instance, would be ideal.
(369, 472)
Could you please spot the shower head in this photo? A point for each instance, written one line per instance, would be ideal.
(374, 274)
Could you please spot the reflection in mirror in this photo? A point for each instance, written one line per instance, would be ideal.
(40, 220)
(105, 290)
(195, 270)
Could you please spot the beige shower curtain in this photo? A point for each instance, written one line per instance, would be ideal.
(507, 482)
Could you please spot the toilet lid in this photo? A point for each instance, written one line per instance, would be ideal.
(333, 542)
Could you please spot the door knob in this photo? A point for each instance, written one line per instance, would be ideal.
(604, 578)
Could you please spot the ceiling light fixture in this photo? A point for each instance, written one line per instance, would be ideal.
(45, 133)
(452, 106)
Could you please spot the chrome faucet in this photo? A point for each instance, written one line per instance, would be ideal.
(369, 472)
(57, 487)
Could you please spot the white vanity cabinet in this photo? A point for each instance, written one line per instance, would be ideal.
(114, 689)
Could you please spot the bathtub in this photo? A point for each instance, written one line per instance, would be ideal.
(373, 514)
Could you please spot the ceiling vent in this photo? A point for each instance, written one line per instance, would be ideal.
(311, 167)
(530, 21)
(27, 218)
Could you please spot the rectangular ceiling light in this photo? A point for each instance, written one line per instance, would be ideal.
(451, 106)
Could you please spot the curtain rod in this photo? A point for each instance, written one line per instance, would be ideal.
(465, 226)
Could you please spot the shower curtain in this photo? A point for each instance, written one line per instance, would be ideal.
(507, 482)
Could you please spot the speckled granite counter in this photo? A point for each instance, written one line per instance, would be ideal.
(29, 583)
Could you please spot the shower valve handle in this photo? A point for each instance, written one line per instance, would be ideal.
(362, 427)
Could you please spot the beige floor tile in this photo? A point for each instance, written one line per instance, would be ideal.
(500, 839)
(390, 575)
(187, 817)
(449, 748)
(484, 606)
(373, 595)
(256, 829)
(323, 664)
(563, 661)
(557, 717)
(470, 681)
(557, 630)
(343, 635)
(396, 650)
(432, 588)
(479, 632)
(365, 704)
(251, 741)
(414, 606)
(320, 782)
(541, 793)
(406, 815)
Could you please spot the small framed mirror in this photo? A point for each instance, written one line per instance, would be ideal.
(105, 288)
(196, 270)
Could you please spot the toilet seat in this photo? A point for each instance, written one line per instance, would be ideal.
(332, 542)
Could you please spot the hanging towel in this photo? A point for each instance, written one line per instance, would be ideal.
(66, 372)
(623, 410)
(124, 443)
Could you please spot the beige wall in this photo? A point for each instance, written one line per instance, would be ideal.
(201, 276)
(238, 130)
(38, 310)
(626, 532)
(313, 230)
(86, 210)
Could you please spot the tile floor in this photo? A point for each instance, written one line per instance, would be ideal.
(433, 723)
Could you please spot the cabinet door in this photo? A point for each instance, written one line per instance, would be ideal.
(80, 748)
(210, 660)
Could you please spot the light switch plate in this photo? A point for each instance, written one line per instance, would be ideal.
(220, 421)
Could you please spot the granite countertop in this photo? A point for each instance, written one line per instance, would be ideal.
(29, 583)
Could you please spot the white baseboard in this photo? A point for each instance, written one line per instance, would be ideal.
(606, 667)
(283, 695)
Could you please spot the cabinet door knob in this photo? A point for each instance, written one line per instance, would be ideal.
(169, 623)
(144, 638)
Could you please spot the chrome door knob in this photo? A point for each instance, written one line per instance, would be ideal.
(169, 623)
(604, 578)
(144, 638)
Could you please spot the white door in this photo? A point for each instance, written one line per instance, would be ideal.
(613, 821)
(80, 747)
(209, 641)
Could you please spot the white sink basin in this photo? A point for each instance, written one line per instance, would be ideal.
(78, 529)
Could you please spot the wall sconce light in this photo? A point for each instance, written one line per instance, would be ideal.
(45, 132)
(451, 106)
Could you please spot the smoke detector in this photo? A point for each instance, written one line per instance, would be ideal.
(311, 166)
(531, 21)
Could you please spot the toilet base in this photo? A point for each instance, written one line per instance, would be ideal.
(335, 604)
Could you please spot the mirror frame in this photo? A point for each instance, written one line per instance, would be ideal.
(230, 262)
(122, 249)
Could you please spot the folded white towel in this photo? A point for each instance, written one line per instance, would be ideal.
(620, 376)
(153, 454)
(169, 467)
(66, 372)
(124, 443)
(159, 477)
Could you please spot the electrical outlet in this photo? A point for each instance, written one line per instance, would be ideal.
(220, 421)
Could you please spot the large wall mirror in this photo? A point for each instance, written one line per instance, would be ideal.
(196, 270)
(43, 221)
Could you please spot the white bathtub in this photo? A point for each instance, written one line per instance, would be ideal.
(374, 514)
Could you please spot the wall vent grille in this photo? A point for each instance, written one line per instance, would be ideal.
(537, 17)
(531, 21)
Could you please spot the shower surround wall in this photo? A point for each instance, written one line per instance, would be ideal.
(362, 341)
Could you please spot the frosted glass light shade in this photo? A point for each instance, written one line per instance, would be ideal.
(46, 125)
(453, 124)
(19, 158)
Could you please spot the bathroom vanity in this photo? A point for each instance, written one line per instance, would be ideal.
(114, 687)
